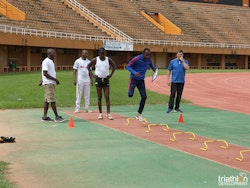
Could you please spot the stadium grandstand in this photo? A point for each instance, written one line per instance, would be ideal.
(214, 34)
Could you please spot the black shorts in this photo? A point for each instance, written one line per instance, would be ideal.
(102, 82)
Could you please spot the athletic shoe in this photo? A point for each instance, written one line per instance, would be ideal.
(77, 111)
(179, 110)
(139, 117)
(110, 117)
(88, 111)
(169, 110)
(100, 116)
(46, 119)
(59, 119)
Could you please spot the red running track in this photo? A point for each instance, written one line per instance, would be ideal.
(224, 91)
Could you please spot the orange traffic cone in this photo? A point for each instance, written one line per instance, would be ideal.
(181, 119)
(71, 123)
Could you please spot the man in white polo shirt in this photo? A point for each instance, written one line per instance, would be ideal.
(48, 81)
(82, 81)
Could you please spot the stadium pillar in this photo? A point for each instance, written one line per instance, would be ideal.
(223, 61)
(28, 58)
(247, 62)
(3, 58)
(199, 61)
(245, 3)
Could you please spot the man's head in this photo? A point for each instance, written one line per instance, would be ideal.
(102, 53)
(179, 54)
(51, 53)
(146, 53)
(84, 54)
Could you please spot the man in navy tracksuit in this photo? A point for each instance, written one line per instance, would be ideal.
(138, 67)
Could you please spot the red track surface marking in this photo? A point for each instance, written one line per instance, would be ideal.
(224, 91)
(182, 143)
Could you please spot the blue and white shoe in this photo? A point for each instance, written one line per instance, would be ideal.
(169, 110)
(179, 110)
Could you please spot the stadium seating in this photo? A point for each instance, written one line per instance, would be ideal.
(53, 16)
(199, 22)
(205, 28)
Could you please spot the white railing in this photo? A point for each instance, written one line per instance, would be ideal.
(100, 20)
(51, 34)
(72, 36)
(190, 44)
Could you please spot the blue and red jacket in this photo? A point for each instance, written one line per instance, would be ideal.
(140, 65)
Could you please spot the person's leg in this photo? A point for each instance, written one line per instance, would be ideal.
(99, 97)
(142, 90)
(52, 100)
(47, 94)
(180, 87)
(131, 87)
(58, 118)
(172, 95)
(79, 88)
(99, 85)
(107, 99)
(53, 106)
(86, 90)
(45, 109)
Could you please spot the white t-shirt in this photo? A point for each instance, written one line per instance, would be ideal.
(102, 67)
(48, 65)
(82, 71)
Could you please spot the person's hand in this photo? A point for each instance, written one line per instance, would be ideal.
(109, 76)
(74, 82)
(137, 74)
(40, 83)
(169, 83)
(181, 59)
(57, 82)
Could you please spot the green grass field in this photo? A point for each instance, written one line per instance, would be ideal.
(3, 182)
(21, 90)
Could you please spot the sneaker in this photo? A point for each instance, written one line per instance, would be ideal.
(179, 110)
(88, 111)
(169, 110)
(139, 117)
(77, 111)
(59, 119)
(100, 116)
(46, 119)
(110, 117)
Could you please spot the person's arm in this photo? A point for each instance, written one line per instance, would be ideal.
(130, 69)
(184, 63)
(74, 74)
(169, 73)
(152, 66)
(90, 65)
(169, 77)
(113, 67)
(45, 73)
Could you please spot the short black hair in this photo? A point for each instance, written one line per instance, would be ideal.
(102, 50)
(179, 51)
(146, 49)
